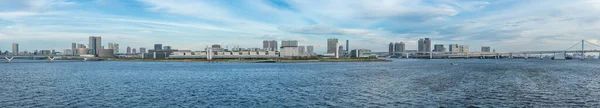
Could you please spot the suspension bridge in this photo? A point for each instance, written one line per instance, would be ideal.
(499, 55)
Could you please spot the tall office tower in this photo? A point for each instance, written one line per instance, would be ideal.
(427, 44)
(347, 46)
(439, 48)
(73, 48)
(15, 49)
(332, 44)
(142, 50)
(301, 49)
(402, 47)
(95, 43)
(134, 51)
(270, 45)
(485, 49)
(399, 47)
(420, 45)
(391, 48)
(115, 48)
(128, 50)
(157, 47)
(289, 43)
(310, 49)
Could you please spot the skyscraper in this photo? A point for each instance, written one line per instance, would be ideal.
(332, 45)
(270, 45)
(301, 49)
(399, 47)
(439, 48)
(421, 45)
(310, 49)
(15, 49)
(73, 48)
(95, 43)
(134, 51)
(128, 50)
(341, 50)
(347, 46)
(427, 44)
(142, 50)
(485, 49)
(391, 49)
(157, 47)
(115, 48)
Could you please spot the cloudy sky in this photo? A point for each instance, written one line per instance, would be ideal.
(505, 25)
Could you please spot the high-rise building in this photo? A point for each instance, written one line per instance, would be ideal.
(111, 46)
(332, 44)
(485, 49)
(270, 45)
(115, 48)
(399, 47)
(454, 48)
(301, 49)
(158, 47)
(142, 50)
(439, 48)
(15, 49)
(341, 50)
(427, 44)
(421, 47)
(391, 48)
(134, 51)
(347, 46)
(95, 43)
(464, 48)
(73, 48)
(310, 49)
(128, 50)
(289, 48)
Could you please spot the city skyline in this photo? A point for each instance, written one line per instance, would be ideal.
(504, 25)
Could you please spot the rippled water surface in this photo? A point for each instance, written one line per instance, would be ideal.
(401, 83)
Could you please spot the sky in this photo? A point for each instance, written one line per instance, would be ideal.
(504, 25)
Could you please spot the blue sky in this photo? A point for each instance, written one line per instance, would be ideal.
(505, 25)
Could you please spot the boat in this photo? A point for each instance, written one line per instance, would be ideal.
(453, 63)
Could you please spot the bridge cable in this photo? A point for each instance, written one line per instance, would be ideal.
(592, 44)
(573, 46)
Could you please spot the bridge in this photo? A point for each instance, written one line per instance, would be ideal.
(50, 58)
(493, 55)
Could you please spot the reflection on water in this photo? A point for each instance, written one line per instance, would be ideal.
(402, 83)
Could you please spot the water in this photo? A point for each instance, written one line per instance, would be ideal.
(401, 83)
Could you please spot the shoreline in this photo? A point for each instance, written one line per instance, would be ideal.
(251, 61)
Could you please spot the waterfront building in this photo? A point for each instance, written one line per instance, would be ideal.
(341, 50)
(289, 48)
(454, 48)
(360, 53)
(391, 48)
(169, 47)
(420, 45)
(81, 46)
(73, 48)
(142, 50)
(310, 49)
(301, 49)
(15, 49)
(134, 51)
(128, 50)
(399, 47)
(270, 45)
(439, 48)
(347, 46)
(115, 48)
(157, 47)
(485, 49)
(427, 44)
(332, 44)
(68, 52)
(464, 48)
(289, 43)
(95, 43)
(106, 53)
